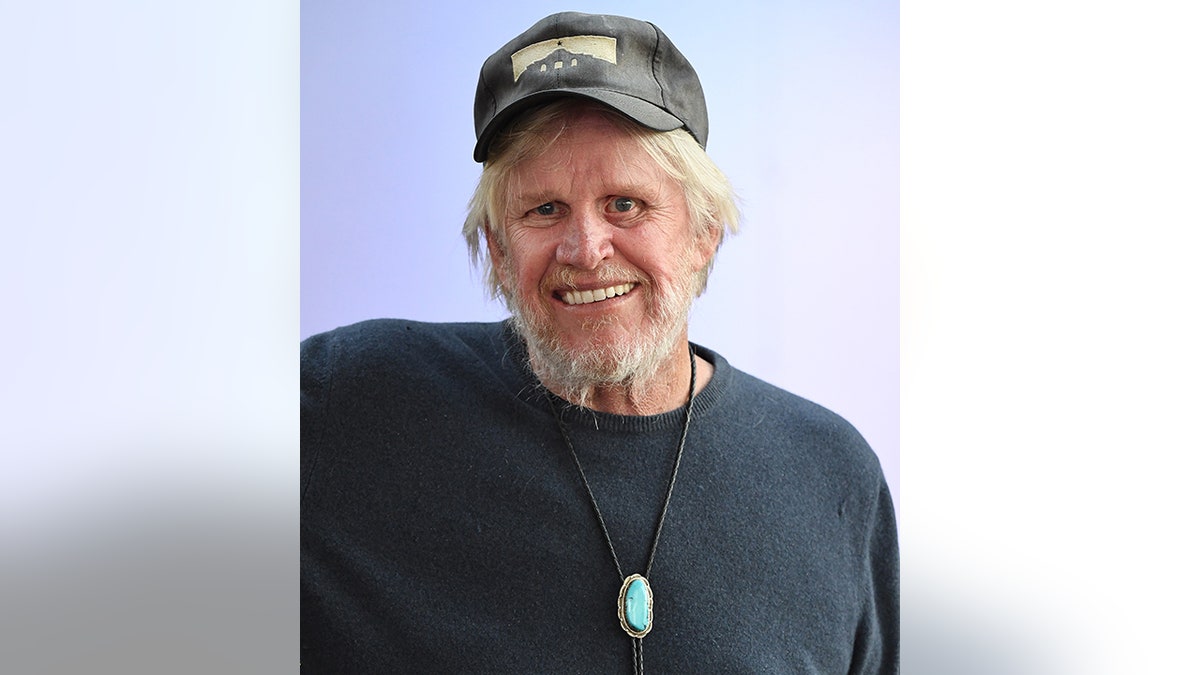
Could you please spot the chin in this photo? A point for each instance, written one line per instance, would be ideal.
(601, 350)
(600, 357)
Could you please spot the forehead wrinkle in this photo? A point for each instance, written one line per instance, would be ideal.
(551, 186)
(620, 167)
(553, 161)
(639, 175)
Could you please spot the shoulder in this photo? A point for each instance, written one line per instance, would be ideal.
(383, 342)
(362, 384)
(794, 426)
(387, 355)
(384, 338)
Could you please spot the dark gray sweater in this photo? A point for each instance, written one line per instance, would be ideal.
(444, 527)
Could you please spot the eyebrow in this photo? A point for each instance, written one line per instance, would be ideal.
(648, 189)
(541, 197)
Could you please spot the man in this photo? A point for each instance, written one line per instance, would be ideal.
(580, 488)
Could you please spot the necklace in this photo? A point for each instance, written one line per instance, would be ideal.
(635, 601)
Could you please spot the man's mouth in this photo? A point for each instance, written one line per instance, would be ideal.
(586, 297)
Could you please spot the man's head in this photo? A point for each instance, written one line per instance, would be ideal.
(580, 199)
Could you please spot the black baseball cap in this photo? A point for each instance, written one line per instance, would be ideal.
(624, 63)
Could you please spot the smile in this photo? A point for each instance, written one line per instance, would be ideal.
(585, 297)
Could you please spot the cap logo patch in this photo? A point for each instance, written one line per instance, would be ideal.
(596, 46)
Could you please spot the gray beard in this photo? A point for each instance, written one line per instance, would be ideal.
(632, 364)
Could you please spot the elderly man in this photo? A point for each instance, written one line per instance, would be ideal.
(580, 488)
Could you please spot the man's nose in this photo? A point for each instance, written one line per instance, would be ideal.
(587, 240)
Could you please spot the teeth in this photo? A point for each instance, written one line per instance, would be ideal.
(585, 297)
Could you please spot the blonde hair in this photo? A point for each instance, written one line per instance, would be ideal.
(710, 199)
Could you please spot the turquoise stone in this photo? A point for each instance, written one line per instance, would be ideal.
(637, 605)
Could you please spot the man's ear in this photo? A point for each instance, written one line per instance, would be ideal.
(707, 242)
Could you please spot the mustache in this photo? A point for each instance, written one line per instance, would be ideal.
(609, 274)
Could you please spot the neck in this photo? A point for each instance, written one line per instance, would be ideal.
(665, 390)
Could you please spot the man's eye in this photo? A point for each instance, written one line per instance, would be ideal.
(622, 204)
(546, 209)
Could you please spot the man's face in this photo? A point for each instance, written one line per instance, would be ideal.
(598, 259)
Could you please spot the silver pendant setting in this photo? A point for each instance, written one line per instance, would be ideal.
(635, 606)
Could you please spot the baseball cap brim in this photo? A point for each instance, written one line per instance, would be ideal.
(643, 112)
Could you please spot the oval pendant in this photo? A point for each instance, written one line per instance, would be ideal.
(635, 606)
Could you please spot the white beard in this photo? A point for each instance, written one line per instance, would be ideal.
(633, 363)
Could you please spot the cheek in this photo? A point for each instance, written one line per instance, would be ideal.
(533, 248)
(656, 257)
(524, 270)
(527, 280)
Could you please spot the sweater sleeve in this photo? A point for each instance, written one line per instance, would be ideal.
(877, 645)
(316, 361)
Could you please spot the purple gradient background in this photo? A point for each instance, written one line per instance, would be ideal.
(804, 108)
